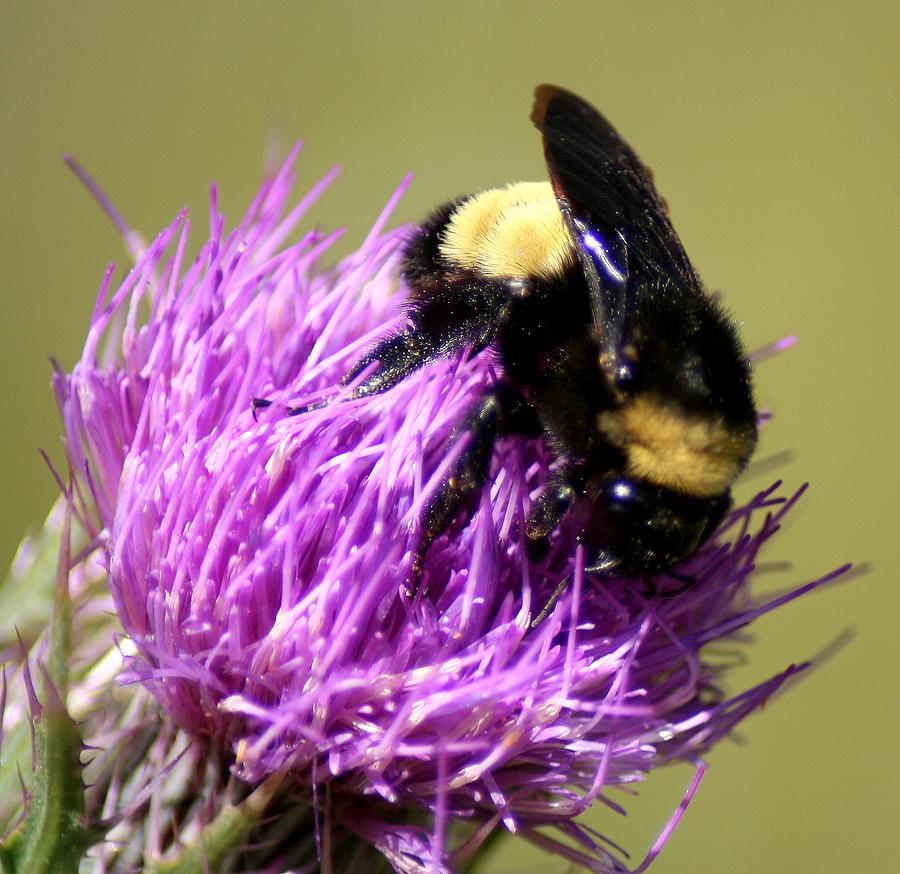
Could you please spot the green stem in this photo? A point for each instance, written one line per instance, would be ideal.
(226, 833)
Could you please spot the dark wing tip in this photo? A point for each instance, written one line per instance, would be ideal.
(543, 94)
(546, 94)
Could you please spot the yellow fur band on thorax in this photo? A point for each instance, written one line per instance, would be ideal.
(516, 231)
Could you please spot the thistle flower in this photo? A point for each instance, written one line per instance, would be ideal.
(259, 565)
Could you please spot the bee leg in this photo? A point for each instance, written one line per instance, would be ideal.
(554, 501)
(551, 601)
(445, 318)
(257, 404)
(546, 513)
(551, 505)
(502, 411)
(397, 356)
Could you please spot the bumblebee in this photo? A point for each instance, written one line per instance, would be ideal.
(610, 349)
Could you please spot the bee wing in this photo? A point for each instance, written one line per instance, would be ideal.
(618, 221)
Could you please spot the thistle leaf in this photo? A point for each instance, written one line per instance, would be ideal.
(52, 835)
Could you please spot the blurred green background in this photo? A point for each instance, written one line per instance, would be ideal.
(772, 129)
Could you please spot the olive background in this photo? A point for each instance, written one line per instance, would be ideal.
(772, 129)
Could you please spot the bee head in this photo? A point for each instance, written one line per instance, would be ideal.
(638, 527)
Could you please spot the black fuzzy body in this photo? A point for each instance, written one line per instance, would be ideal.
(547, 346)
(625, 322)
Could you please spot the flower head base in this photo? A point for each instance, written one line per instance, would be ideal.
(260, 564)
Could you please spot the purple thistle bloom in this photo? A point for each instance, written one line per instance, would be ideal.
(260, 565)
